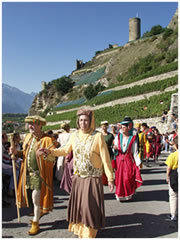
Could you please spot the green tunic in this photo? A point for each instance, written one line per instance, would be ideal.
(33, 180)
(109, 141)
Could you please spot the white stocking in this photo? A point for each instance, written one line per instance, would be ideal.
(36, 203)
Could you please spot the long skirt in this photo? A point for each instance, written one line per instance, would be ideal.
(86, 212)
(127, 179)
(66, 182)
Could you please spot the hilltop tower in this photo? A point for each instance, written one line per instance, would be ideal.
(79, 64)
(134, 28)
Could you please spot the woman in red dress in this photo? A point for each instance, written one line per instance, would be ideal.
(127, 163)
(158, 145)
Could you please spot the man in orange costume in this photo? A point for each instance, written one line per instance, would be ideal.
(36, 176)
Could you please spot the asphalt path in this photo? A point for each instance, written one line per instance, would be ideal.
(145, 216)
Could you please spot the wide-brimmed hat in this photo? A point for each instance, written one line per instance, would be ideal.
(35, 119)
(104, 123)
(64, 125)
(126, 120)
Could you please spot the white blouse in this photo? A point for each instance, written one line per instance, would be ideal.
(134, 149)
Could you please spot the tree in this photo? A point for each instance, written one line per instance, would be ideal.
(63, 84)
(90, 92)
(157, 29)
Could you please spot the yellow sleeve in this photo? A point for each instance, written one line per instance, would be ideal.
(104, 154)
(146, 142)
(48, 143)
(63, 151)
(172, 160)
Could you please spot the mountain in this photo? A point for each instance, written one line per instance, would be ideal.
(15, 100)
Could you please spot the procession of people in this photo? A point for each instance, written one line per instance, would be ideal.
(83, 161)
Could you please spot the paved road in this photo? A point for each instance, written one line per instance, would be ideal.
(145, 216)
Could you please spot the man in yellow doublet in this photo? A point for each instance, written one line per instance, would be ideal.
(35, 185)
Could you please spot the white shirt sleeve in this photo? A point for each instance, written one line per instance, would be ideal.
(134, 151)
(116, 141)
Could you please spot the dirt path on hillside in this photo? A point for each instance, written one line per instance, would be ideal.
(146, 80)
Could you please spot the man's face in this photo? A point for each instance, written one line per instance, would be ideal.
(104, 127)
(34, 128)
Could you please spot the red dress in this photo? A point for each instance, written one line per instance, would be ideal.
(127, 175)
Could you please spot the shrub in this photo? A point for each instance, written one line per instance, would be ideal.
(90, 92)
(167, 33)
(63, 84)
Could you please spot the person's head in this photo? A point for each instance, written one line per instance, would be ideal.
(144, 126)
(54, 136)
(16, 137)
(156, 131)
(127, 121)
(4, 138)
(7, 145)
(119, 126)
(104, 125)
(153, 128)
(49, 133)
(175, 142)
(65, 126)
(138, 126)
(35, 124)
(85, 120)
(125, 129)
(113, 127)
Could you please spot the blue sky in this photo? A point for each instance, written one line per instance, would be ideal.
(42, 40)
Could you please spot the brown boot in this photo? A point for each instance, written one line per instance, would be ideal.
(34, 229)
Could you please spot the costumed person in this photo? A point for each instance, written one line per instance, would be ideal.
(66, 181)
(7, 168)
(36, 175)
(109, 138)
(172, 180)
(158, 144)
(114, 130)
(86, 213)
(62, 139)
(127, 164)
(146, 130)
(142, 142)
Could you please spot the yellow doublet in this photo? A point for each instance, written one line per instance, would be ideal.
(172, 160)
(99, 155)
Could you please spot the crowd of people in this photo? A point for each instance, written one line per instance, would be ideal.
(83, 161)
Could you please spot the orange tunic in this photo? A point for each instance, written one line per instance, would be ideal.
(46, 173)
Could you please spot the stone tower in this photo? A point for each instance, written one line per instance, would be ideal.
(134, 28)
(79, 64)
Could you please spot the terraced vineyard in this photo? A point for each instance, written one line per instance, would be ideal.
(151, 100)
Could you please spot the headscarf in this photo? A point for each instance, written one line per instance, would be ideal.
(88, 113)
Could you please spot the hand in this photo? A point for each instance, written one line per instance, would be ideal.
(111, 185)
(115, 147)
(43, 151)
(12, 151)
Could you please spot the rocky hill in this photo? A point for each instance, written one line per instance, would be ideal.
(108, 66)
